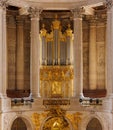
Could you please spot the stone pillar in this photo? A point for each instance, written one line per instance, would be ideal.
(109, 49)
(92, 56)
(35, 52)
(78, 54)
(3, 50)
(20, 55)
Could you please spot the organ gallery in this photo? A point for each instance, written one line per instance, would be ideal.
(56, 65)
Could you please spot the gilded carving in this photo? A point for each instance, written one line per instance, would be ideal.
(56, 23)
(56, 73)
(49, 37)
(35, 119)
(56, 112)
(56, 121)
(75, 119)
(55, 79)
(69, 31)
(43, 31)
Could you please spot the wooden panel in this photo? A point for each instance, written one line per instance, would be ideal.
(18, 93)
(95, 93)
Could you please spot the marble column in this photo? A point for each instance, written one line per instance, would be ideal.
(78, 53)
(3, 50)
(35, 52)
(92, 56)
(109, 49)
(20, 55)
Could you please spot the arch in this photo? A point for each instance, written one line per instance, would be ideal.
(50, 117)
(94, 124)
(18, 124)
(26, 121)
(104, 123)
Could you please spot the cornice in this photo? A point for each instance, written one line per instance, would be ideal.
(54, 4)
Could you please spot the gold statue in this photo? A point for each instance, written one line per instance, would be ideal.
(56, 23)
(69, 31)
(43, 31)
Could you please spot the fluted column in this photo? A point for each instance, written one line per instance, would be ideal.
(3, 50)
(77, 53)
(20, 55)
(35, 52)
(92, 57)
(109, 48)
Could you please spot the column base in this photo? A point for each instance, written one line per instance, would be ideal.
(3, 96)
(81, 95)
(109, 95)
(35, 95)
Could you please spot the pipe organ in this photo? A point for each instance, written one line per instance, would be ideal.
(56, 71)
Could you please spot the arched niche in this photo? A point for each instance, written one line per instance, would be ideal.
(19, 124)
(24, 120)
(94, 124)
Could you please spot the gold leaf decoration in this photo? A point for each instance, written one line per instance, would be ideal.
(75, 119)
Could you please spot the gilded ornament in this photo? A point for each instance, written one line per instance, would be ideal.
(43, 31)
(56, 121)
(56, 23)
(35, 118)
(75, 119)
(49, 37)
(69, 31)
(56, 73)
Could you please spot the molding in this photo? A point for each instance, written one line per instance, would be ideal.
(54, 4)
